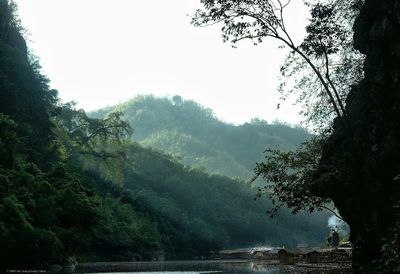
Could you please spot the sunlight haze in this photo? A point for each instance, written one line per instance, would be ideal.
(101, 53)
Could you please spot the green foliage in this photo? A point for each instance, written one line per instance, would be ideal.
(193, 134)
(353, 100)
(56, 167)
(290, 178)
(49, 209)
(122, 233)
(93, 142)
(325, 63)
(37, 216)
(19, 238)
(329, 45)
(211, 210)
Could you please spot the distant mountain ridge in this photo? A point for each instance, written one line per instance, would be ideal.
(192, 133)
(74, 189)
(188, 204)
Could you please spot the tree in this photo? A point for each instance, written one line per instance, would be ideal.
(356, 162)
(290, 178)
(325, 49)
(47, 213)
(329, 45)
(360, 161)
(25, 94)
(96, 143)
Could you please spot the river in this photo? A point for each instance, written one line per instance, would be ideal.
(197, 267)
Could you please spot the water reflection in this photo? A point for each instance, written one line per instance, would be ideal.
(197, 267)
(162, 272)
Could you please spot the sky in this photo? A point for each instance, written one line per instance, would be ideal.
(102, 52)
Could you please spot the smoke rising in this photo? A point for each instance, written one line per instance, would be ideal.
(341, 226)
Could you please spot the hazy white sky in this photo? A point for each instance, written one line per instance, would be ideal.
(102, 52)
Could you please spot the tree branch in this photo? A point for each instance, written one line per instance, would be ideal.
(333, 212)
(317, 72)
(327, 75)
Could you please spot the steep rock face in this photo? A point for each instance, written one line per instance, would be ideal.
(362, 158)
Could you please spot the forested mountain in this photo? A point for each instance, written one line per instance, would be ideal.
(212, 210)
(74, 187)
(77, 187)
(221, 209)
(194, 212)
(191, 132)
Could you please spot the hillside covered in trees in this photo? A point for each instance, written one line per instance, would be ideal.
(82, 187)
(192, 133)
(77, 187)
(345, 74)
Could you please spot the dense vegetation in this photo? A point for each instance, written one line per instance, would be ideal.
(76, 186)
(192, 133)
(48, 210)
(348, 80)
(204, 212)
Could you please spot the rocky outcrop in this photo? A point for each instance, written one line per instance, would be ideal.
(361, 159)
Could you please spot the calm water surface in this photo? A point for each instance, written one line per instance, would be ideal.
(198, 267)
